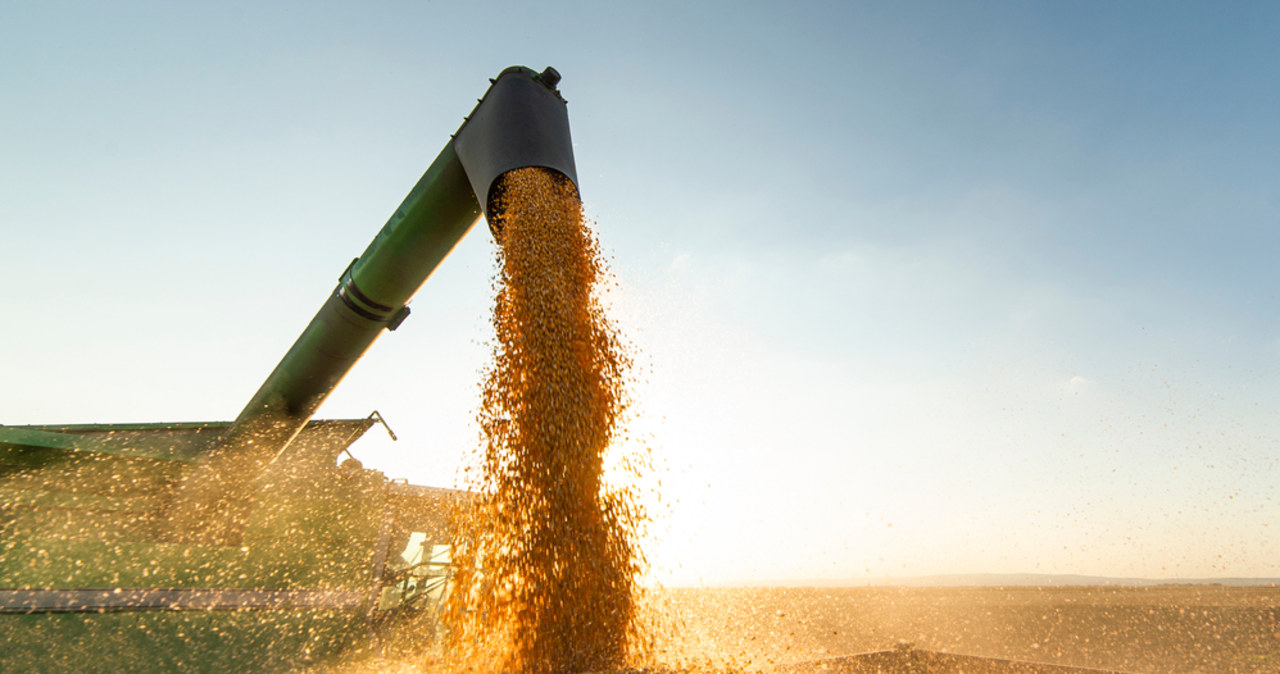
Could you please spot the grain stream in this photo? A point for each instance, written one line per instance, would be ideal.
(546, 558)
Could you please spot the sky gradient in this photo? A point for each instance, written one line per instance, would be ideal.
(919, 288)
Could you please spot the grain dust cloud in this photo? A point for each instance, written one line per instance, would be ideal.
(546, 558)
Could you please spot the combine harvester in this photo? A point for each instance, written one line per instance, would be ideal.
(246, 546)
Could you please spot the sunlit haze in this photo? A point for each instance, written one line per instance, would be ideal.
(918, 289)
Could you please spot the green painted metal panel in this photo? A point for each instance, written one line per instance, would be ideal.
(172, 641)
(33, 563)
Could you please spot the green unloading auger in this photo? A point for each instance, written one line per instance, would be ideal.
(520, 122)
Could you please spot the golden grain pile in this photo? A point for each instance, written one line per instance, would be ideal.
(546, 563)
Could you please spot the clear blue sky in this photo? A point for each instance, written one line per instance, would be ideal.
(922, 288)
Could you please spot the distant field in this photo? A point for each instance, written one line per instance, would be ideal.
(1163, 628)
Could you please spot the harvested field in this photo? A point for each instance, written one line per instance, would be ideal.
(1166, 628)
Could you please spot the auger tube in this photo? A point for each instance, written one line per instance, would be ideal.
(521, 121)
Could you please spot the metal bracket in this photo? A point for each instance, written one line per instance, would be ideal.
(397, 318)
(377, 416)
